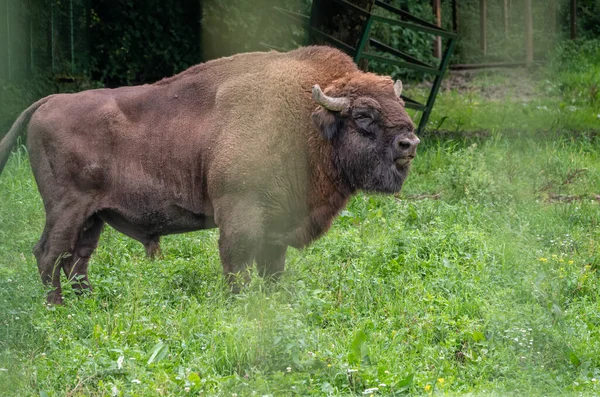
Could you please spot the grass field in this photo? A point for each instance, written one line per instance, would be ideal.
(482, 277)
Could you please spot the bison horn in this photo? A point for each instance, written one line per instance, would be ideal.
(398, 88)
(329, 103)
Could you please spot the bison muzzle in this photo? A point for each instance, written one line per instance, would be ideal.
(268, 147)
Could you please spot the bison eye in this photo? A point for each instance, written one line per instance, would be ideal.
(365, 123)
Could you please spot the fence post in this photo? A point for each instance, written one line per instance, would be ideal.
(437, 41)
(483, 26)
(573, 19)
(8, 52)
(72, 37)
(529, 32)
(52, 35)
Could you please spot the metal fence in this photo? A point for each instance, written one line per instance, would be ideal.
(47, 36)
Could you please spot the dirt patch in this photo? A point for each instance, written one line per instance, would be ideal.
(517, 84)
(565, 198)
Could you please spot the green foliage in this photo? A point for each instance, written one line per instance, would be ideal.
(417, 44)
(234, 26)
(17, 96)
(588, 14)
(135, 42)
(562, 97)
(576, 67)
(481, 278)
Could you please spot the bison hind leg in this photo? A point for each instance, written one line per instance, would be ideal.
(76, 270)
(56, 247)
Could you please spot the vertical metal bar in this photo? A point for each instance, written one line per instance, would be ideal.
(529, 32)
(363, 40)
(436, 85)
(455, 16)
(31, 54)
(52, 35)
(483, 26)
(437, 42)
(8, 59)
(573, 19)
(505, 14)
(72, 36)
(553, 16)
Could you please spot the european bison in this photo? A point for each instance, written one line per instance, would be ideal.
(250, 144)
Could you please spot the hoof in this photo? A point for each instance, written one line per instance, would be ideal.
(54, 298)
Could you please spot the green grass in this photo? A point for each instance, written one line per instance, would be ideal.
(482, 277)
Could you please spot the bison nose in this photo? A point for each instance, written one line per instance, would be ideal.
(408, 145)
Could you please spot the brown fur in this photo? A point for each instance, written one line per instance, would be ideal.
(236, 143)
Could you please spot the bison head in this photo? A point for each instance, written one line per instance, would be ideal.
(372, 138)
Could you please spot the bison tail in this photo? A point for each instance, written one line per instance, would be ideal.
(10, 139)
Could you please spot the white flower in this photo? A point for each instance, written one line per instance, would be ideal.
(114, 390)
(3, 370)
(120, 362)
(136, 381)
(370, 390)
(382, 385)
(289, 369)
(187, 389)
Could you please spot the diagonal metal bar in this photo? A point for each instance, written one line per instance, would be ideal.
(339, 44)
(412, 104)
(384, 47)
(354, 7)
(405, 14)
(298, 18)
(409, 25)
(272, 47)
(402, 64)
(363, 41)
(436, 85)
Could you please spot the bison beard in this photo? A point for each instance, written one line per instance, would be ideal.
(250, 144)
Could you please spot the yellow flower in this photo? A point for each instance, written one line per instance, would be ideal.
(570, 262)
(441, 381)
(554, 256)
(543, 259)
(427, 387)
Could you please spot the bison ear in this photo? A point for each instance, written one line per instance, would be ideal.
(329, 123)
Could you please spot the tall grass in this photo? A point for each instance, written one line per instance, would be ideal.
(490, 287)
(482, 277)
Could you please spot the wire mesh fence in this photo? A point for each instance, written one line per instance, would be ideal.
(44, 35)
(496, 30)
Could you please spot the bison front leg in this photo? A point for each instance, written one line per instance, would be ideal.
(270, 259)
(237, 250)
(240, 224)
